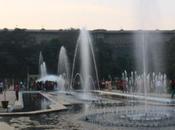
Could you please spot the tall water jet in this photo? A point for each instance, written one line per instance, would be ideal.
(40, 63)
(40, 58)
(148, 49)
(148, 44)
(142, 62)
(63, 69)
(84, 40)
(43, 70)
(42, 66)
(87, 62)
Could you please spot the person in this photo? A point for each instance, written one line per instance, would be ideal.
(173, 88)
(17, 91)
(158, 86)
(103, 84)
(1, 87)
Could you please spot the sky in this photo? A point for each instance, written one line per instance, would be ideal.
(92, 14)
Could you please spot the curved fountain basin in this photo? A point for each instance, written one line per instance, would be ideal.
(135, 119)
(140, 97)
(147, 116)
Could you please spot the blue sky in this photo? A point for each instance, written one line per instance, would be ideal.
(107, 14)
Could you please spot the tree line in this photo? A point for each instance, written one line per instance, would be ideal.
(19, 54)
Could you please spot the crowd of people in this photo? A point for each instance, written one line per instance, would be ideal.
(118, 84)
(47, 85)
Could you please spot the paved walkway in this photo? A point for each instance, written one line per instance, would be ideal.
(10, 96)
(5, 126)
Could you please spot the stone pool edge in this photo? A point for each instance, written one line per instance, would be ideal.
(54, 107)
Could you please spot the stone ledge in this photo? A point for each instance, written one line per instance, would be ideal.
(54, 107)
(31, 112)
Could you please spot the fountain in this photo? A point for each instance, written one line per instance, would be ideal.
(148, 83)
(40, 63)
(148, 53)
(43, 70)
(63, 78)
(87, 63)
(43, 75)
(156, 83)
(63, 70)
(143, 86)
(42, 66)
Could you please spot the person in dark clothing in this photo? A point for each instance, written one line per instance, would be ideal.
(173, 88)
(17, 91)
(1, 87)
